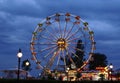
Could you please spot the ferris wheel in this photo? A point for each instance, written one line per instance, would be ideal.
(62, 40)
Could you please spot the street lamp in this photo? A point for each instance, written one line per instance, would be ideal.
(111, 67)
(27, 64)
(19, 55)
(67, 72)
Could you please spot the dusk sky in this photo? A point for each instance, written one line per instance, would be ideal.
(19, 18)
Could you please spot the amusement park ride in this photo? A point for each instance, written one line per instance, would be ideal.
(54, 41)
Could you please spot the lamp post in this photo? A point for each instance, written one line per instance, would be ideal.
(27, 63)
(111, 67)
(19, 55)
(67, 72)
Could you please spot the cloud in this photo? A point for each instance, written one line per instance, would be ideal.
(22, 7)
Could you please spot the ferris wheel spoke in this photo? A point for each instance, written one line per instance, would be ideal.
(58, 60)
(63, 55)
(49, 53)
(65, 27)
(59, 26)
(53, 28)
(77, 49)
(67, 33)
(72, 39)
(48, 38)
(44, 58)
(85, 52)
(71, 35)
(51, 60)
(55, 31)
(50, 47)
(46, 43)
(70, 58)
(60, 29)
(75, 43)
(52, 35)
(74, 53)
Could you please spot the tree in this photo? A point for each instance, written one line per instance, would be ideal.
(98, 60)
(77, 59)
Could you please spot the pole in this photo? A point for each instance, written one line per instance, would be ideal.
(111, 74)
(26, 74)
(108, 74)
(67, 76)
(18, 76)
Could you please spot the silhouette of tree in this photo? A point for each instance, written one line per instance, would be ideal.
(78, 60)
(98, 60)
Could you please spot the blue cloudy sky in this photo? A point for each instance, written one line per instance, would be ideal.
(19, 18)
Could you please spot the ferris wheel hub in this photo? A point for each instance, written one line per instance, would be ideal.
(62, 44)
